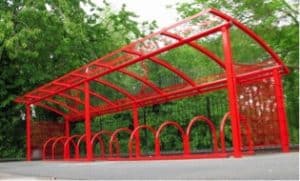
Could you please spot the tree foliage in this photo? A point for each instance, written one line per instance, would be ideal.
(41, 40)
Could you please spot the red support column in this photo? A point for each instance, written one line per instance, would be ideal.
(283, 125)
(135, 115)
(232, 94)
(89, 153)
(67, 127)
(28, 132)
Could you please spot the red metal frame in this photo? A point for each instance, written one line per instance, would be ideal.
(184, 137)
(248, 132)
(149, 49)
(211, 127)
(113, 139)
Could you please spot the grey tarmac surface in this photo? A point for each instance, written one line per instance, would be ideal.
(280, 166)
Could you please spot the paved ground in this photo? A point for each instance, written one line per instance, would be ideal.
(265, 166)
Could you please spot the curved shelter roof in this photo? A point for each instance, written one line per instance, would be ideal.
(145, 72)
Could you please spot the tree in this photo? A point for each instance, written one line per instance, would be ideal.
(41, 40)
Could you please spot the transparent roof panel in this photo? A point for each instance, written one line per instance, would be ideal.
(105, 91)
(193, 63)
(244, 49)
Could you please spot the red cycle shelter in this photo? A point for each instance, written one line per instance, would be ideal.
(254, 88)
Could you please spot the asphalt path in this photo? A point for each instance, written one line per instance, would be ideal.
(280, 166)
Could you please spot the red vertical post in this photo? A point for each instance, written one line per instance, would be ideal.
(232, 94)
(67, 134)
(284, 136)
(87, 122)
(28, 132)
(135, 115)
(67, 127)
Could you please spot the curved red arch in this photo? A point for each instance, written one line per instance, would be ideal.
(248, 132)
(58, 139)
(77, 150)
(82, 138)
(211, 127)
(45, 147)
(222, 134)
(183, 136)
(67, 145)
(101, 142)
(133, 134)
(113, 138)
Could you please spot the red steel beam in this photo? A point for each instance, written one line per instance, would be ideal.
(197, 47)
(50, 109)
(87, 122)
(99, 96)
(28, 132)
(74, 110)
(136, 77)
(232, 94)
(167, 66)
(64, 95)
(117, 88)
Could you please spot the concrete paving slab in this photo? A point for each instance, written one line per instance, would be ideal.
(280, 166)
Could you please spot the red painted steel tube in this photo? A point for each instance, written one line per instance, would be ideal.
(166, 65)
(132, 136)
(115, 87)
(28, 132)
(197, 47)
(66, 96)
(74, 110)
(89, 150)
(248, 132)
(135, 116)
(77, 147)
(60, 140)
(173, 69)
(211, 127)
(136, 77)
(222, 133)
(97, 95)
(284, 136)
(99, 135)
(232, 94)
(67, 127)
(114, 139)
(67, 146)
(50, 109)
(101, 143)
(246, 125)
(44, 151)
(183, 137)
